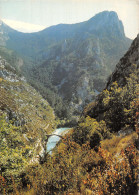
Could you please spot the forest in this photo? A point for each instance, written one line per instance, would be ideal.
(91, 159)
(83, 77)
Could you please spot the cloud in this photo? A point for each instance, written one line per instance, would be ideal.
(23, 26)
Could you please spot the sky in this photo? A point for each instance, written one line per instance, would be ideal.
(35, 15)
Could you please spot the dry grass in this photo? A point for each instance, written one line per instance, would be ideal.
(126, 141)
(117, 143)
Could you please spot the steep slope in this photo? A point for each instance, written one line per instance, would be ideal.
(25, 119)
(100, 154)
(77, 58)
(77, 68)
(123, 68)
(12, 58)
(22, 103)
(122, 84)
(43, 42)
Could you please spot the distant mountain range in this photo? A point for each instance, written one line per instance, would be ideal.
(69, 63)
(41, 43)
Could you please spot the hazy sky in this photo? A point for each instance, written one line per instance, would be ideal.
(34, 15)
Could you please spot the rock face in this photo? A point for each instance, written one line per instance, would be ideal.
(108, 22)
(123, 68)
(21, 105)
(61, 39)
(122, 74)
(80, 64)
(77, 58)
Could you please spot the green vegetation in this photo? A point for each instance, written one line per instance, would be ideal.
(91, 158)
(68, 64)
(14, 154)
(99, 155)
(64, 77)
(118, 106)
(92, 131)
(60, 84)
(25, 119)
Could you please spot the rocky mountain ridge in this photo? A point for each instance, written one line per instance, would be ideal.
(123, 81)
(98, 155)
(69, 63)
(78, 67)
(123, 68)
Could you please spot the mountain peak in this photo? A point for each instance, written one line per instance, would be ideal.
(108, 22)
(106, 14)
(125, 65)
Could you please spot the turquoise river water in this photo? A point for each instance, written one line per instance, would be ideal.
(52, 141)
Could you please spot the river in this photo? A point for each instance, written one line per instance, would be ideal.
(52, 141)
